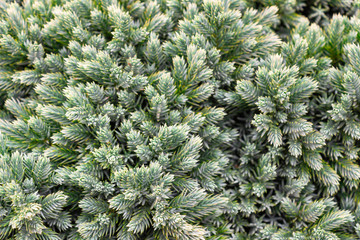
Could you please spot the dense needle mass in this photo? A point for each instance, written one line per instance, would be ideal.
(179, 119)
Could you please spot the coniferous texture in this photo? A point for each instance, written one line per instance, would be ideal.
(179, 119)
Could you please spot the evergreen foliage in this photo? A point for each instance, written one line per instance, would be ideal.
(179, 119)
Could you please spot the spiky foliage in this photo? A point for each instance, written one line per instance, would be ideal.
(302, 104)
(313, 220)
(31, 207)
(292, 12)
(196, 119)
(132, 139)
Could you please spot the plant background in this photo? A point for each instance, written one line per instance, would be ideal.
(179, 119)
